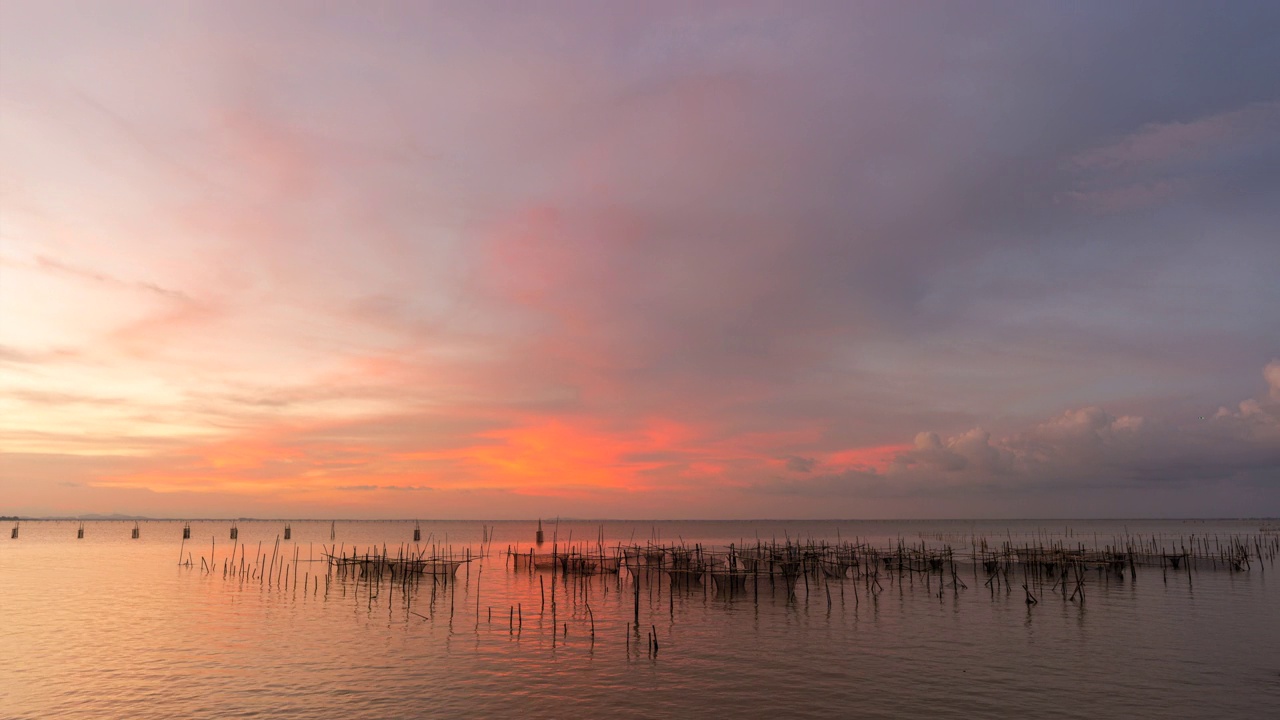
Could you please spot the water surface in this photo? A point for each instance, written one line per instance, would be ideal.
(109, 626)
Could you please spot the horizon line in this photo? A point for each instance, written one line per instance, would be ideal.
(125, 517)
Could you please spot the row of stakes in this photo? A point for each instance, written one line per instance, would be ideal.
(135, 533)
(13, 535)
(235, 532)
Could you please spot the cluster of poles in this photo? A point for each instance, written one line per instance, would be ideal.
(585, 572)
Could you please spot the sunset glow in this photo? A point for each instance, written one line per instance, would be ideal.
(601, 260)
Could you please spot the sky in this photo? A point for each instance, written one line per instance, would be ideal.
(640, 260)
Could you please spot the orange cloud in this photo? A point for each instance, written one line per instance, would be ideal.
(871, 458)
(545, 456)
(554, 452)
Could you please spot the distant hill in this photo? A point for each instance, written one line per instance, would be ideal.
(112, 516)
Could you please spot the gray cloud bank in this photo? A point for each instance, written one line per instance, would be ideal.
(1089, 449)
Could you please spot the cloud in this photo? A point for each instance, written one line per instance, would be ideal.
(19, 356)
(1272, 374)
(52, 265)
(642, 252)
(371, 488)
(1164, 161)
(36, 397)
(970, 451)
(800, 464)
(1164, 143)
(1081, 449)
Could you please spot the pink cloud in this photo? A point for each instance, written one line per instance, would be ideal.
(1163, 161)
(1272, 373)
(1156, 143)
(1125, 197)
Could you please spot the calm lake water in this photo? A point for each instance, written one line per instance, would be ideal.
(110, 626)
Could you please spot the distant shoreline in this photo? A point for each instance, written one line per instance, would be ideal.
(144, 518)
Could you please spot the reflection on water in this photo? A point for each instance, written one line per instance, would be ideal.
(110, 626)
